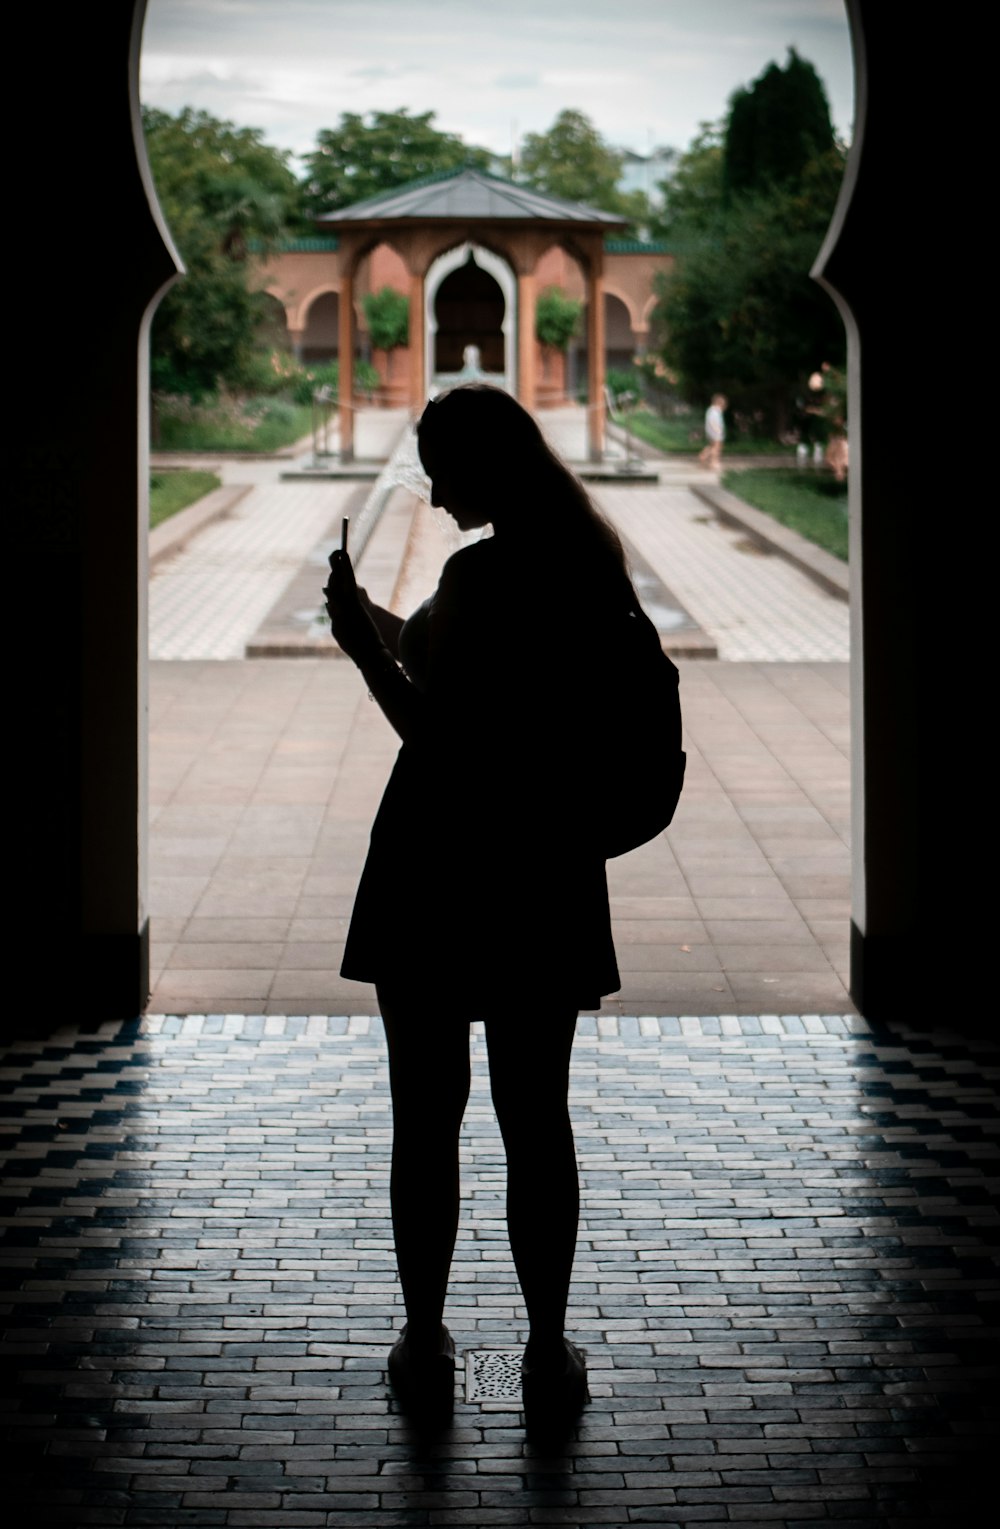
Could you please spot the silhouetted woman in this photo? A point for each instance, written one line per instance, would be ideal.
(484, 893)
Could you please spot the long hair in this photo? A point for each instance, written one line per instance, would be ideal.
(480, 432)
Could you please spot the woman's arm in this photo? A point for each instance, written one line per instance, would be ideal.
(387, 623)
(356, 631)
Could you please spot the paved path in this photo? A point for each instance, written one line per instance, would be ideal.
(265, 777)
(756, 606)
(266, 773)
(210, 600)
(785, 1282)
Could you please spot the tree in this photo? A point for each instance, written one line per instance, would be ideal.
(224, 193)
(746, 213)
(776, 127)
(572, 160)
(387, 314)
(741, 314)
(692, 197)
(557, 319)
(364, 155)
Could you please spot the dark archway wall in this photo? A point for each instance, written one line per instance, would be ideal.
(78, 734)
(919, 694)
(923, 702)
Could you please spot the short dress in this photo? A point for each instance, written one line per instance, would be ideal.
(484, 885)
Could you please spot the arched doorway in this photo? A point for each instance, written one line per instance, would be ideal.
(619, 341)
(320, 339)
(470, 299)
(274, 324)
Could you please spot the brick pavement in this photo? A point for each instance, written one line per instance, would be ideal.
(265, 778)
(786, 1281)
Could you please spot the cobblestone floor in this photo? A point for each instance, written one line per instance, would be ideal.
(786, 1281)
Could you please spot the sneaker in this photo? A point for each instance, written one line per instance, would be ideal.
(424, 1383)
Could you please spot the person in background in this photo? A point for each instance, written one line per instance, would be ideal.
(715, 433)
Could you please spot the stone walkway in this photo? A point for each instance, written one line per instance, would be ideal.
(266, 775)
(209, 601)
(786, 1282)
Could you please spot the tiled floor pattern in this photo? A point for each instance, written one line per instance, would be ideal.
(756, 606)
(208, 600)
(786, 1281)
(266, 775)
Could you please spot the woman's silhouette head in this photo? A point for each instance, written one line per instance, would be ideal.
(488, 462)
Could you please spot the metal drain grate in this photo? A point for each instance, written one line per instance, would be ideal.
(493, 1377)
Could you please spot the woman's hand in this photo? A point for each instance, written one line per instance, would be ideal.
(347, 608)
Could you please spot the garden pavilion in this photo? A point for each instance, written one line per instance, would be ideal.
(472, 251)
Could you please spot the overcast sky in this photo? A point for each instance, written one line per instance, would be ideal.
(645, 71)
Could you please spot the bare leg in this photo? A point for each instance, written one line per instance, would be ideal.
(529, 1078)
(429, 1081)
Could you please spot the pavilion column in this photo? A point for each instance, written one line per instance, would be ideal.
(346, 362)
(526, 391)
(296, 337)
(418, 342)
(595, 359)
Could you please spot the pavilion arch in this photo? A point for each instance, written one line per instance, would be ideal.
(274, 327)
(627, 300)
(619, 332)
(512, 226)
(494, 265)
(326, 289)
(319, 336)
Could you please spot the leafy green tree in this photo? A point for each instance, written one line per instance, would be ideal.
(387, 314)
(557, 318)
(776, 127)
(226, 195)
(572, 160)
(381, 151)
(692, 197)
(745, 214)
(741, 314)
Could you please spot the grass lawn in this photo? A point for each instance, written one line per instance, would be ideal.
(807, 500)
(175, 490)
(281, 425)
(675, 435)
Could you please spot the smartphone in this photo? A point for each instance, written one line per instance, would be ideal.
(344, 524)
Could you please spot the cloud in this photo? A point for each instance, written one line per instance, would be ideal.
(373, 72)
(517, 81)
(643, 70)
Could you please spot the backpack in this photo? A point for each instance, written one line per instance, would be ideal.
(641, 778)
